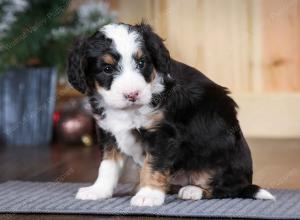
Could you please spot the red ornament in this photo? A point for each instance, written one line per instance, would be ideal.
(56, 117)
(73, 124)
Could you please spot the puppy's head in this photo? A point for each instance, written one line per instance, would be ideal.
(124, 64)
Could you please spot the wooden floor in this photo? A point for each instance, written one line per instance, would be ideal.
(276, 165)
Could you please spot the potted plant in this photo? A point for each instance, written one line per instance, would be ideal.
(34, 39)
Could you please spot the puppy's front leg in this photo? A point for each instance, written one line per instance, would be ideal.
(153, 186)
(109, 173)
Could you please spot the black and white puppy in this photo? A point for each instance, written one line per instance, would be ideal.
(167, 116)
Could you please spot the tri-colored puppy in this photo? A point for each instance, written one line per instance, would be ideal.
(167, 116)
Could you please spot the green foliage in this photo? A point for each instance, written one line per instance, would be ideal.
(42, 32)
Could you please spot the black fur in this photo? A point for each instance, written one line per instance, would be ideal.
(154, 44)
(76, 73)
(200, 130)
(106, 140)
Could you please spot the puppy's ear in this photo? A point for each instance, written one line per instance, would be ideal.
(76, 66)
(154, 44)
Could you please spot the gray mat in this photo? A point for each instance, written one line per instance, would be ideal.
(58, 198)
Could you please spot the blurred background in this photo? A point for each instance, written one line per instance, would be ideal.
(250, 46)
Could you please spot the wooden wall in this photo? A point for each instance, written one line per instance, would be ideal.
(281, 45)
(249, 46)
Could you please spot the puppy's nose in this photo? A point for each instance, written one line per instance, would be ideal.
(132, 96)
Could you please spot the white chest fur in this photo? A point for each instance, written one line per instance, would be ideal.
(121, 122)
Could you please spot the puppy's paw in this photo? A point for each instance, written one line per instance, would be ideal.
(93, 193)
(190, 192)
(148, 196)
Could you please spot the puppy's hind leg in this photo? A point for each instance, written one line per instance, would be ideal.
(199, 186)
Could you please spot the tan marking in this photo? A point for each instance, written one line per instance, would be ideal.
(153, 74)
(139, 54)
(112, 154)
(98, 87)
(157, 117)
(151, 178)
(107, 58)
(180, 178)
(203, 180)
(207, 193)
(154, 119)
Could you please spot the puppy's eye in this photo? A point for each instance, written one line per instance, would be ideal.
(141, 64)
(108, 69)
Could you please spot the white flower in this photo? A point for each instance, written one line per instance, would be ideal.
(59, 32)
(91, 16)
(12, 7)
(90, 11)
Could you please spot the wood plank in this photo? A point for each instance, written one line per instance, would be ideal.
(281, 45)
(269, 115)
(226, 43)
(133, 11)
(212, 36)
(256, 41)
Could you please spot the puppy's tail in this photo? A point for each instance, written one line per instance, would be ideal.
(255, 192)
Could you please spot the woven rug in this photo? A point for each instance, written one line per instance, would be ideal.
(58, 198)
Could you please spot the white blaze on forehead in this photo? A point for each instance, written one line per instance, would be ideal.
(125, 41)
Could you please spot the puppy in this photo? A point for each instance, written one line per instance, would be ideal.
(167, 116)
